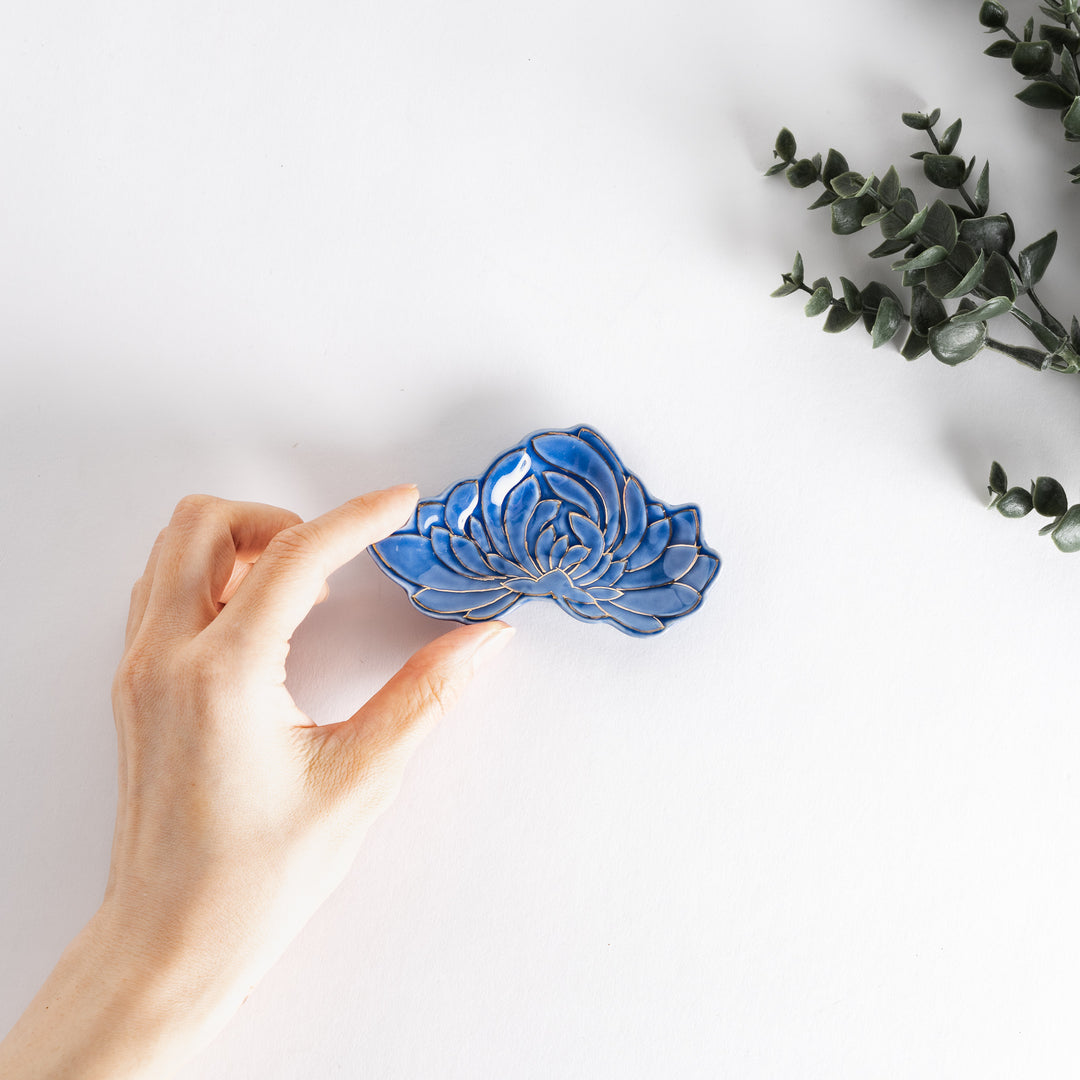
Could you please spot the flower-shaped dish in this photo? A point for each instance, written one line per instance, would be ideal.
(557, 516)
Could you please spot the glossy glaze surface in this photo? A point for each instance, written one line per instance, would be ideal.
(558, 517)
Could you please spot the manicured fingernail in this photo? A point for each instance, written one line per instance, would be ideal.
(491, 645)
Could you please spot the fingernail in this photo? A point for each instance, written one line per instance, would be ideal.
(491, 645)
(403, 489)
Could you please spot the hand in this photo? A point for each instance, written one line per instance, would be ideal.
(237, 815)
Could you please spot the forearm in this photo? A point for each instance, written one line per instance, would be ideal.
(107, 1012)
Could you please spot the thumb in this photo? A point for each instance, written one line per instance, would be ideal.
(373, 746)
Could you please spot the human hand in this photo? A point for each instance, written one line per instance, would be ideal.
(237, 815)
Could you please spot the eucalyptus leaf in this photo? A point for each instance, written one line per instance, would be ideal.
(835, 164)
(1001, 50)
(993, 15)
(926, 310)
(940, 226)
(989, 234)
(1048, 497)
(1035, 258)
(851, 185)
(1045, 95)
(797, 270)
(999, 482)
(914, 226)
(953, 344)
(996, 305)
(785, 145)
(889, 317)
(916, 120)
(852, 297)
(786, 289)
(872, 297)
(982, 189)
(888, 247)
(1015, 503)
(1066, 534)
(1033, 58)
(998, 277)
(826, 198)
(930, 257)
(889, 187)
(802, 174)
(914, 347)
(950, 136)
(948, 280)
(848, 214)
(818, 302)
(944, 170)
(1071, 119)
(839, 319)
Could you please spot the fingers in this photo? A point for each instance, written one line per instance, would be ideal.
(290, 577)
(375, 744)
(203, 556)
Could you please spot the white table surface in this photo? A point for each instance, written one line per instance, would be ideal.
(825, 827)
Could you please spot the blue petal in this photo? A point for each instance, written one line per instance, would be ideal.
(671, 566)
(594, 439)
(587, 532)
(584, 579)
(652, 545)
(544, 543)
(452, 603)
(542, 516)
(678, 559)
(464, 552)
(656, 512)
(505, 566)
(428, 514)
(668, 600)
(569, 490)
(578, 459)
(599, 593)
(631, 622)
(612, 576)
(460, 503)
(701, 573)
(413, 559)
(684, 526)
(490, 611)
(558, 550)
(500, 480)
(519, 507)
(442, 544)
(480, 538)
(572, 557)
(635, 518)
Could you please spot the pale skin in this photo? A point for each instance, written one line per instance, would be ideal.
(237, 816)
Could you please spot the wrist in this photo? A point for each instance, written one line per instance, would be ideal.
(113, 1010)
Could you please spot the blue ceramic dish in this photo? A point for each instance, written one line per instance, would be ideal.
(559, 517)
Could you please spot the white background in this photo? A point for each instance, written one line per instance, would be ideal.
(826, 826)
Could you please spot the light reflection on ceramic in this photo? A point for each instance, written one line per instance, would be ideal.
(557, 516)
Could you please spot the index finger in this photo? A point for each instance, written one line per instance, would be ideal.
(284, 585)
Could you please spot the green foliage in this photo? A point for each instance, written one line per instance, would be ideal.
(1049, 62)
(1047, 498)
(949, 253)
(953, 256)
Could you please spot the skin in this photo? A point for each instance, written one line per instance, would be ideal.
(237, 816)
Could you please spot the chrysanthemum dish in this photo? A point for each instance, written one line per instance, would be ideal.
(557, 516)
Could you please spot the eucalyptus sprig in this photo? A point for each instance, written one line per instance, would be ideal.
(1046, 497)
(1049, 64)
(950, 252)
